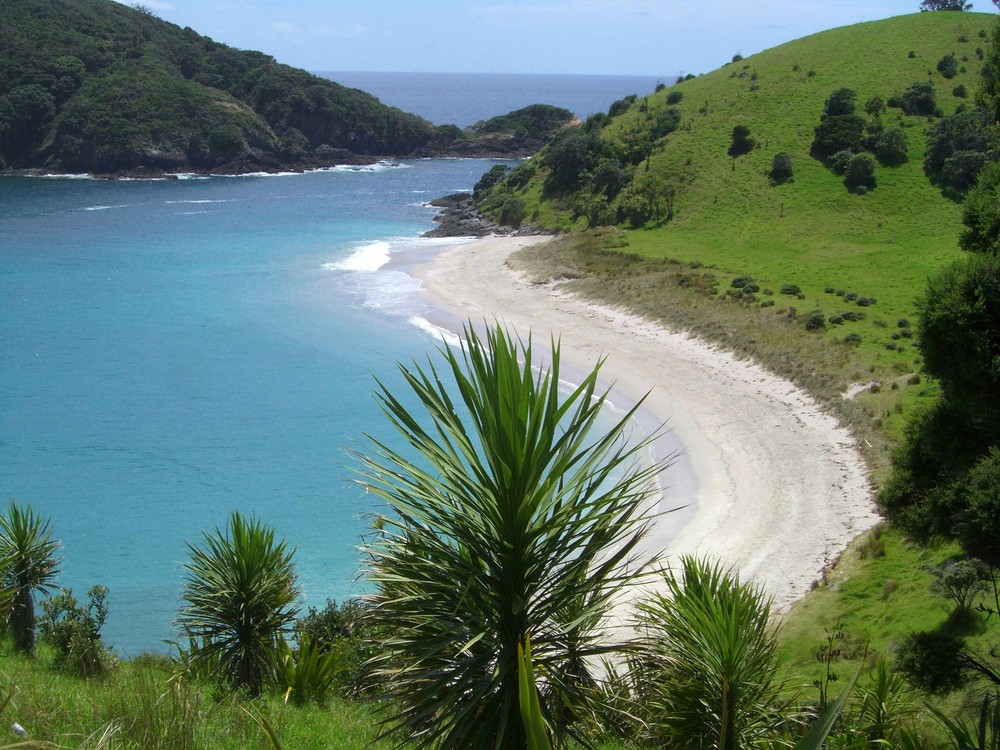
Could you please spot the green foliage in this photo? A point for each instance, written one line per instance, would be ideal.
(816, 321)
(892, 146)
(28, 563)
(505, 207)
(978, 505)
(536, 121)
(959, 146)
(708, 671)
(959, 325)
(350, 633)
(621, 106)
(981, 212)
(742, 143)
(837, 133)
(840, 102)
(860, 172)
(948, 66)
(305, 673)
(494, 176)
(510, 515)
(82, 80)
(919, 99)
(239, 593)
(959, 5)
(75, 631)
(781, 168)
(931, 662)
(961, 581)
(674, 97)
(570, 158)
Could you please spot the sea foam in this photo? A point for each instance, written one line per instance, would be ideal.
(366, 258)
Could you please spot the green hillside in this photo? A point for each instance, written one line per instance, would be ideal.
(812, 232)
(96, 86)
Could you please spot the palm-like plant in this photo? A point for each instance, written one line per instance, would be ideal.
(512, 517)
(707, 677)
(28, 563)
(240, 599)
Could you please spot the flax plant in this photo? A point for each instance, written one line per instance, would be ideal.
(240, 600)
(708, 674)
(511, 517)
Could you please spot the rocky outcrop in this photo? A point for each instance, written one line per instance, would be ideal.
(459, 217)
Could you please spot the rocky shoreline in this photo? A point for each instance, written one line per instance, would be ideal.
(459, 217)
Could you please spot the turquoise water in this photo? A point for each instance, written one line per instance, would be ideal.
(173, 350)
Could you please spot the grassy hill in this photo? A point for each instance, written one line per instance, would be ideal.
(729, 219)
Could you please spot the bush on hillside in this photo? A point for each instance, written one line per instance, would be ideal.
(948, 66)
(892, 146)
(840, 102)
(860, 172)
(621, 106)
(742, 142)
(959, 146)
(781, 168)
(837, 133)
(981, 213)
(74, 631)
(919, 99)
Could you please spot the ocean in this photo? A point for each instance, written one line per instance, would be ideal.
(173, 350)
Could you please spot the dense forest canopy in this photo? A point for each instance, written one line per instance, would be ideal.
(95, 86)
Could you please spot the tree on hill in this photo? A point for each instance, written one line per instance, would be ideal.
(511, 515)
(28, 563)
(239, 601)
(945, 5)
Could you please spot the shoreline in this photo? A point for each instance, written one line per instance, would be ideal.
(780, 490)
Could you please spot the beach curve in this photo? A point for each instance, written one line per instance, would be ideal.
(781, 489)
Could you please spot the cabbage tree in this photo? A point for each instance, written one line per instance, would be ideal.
(512, 514)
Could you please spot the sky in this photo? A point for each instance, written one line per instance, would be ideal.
(604, 37)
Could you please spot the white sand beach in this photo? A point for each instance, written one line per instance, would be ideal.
(779, 489)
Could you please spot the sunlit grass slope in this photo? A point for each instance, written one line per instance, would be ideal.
(812, 231)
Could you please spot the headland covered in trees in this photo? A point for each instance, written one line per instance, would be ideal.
(93, 86)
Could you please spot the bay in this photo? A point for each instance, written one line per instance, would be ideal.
(173, 350)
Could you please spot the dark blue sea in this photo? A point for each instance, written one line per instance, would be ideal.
(172, 350)
(464, 99)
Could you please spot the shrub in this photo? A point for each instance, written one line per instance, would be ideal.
(674, 97)
(981, 213)
(960, 91)
(742, 142)
(741, 281)
(892, 146)
(931, 662)
(792, 289)
(75, 631)
(918, 99)
(709, 651)
(875, 107)
(948, 66)
(816, 321)
(852, 338)
(851, 296)
(840, 102)
(860, 172)
(838, 162)
(621, 106)
(852, 316)
(835, 320)
(902, 323)
(837, 133)
(781, 168)
(866, 301)
(961, 581)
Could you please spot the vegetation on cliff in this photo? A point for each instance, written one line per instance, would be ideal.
(95, 86)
